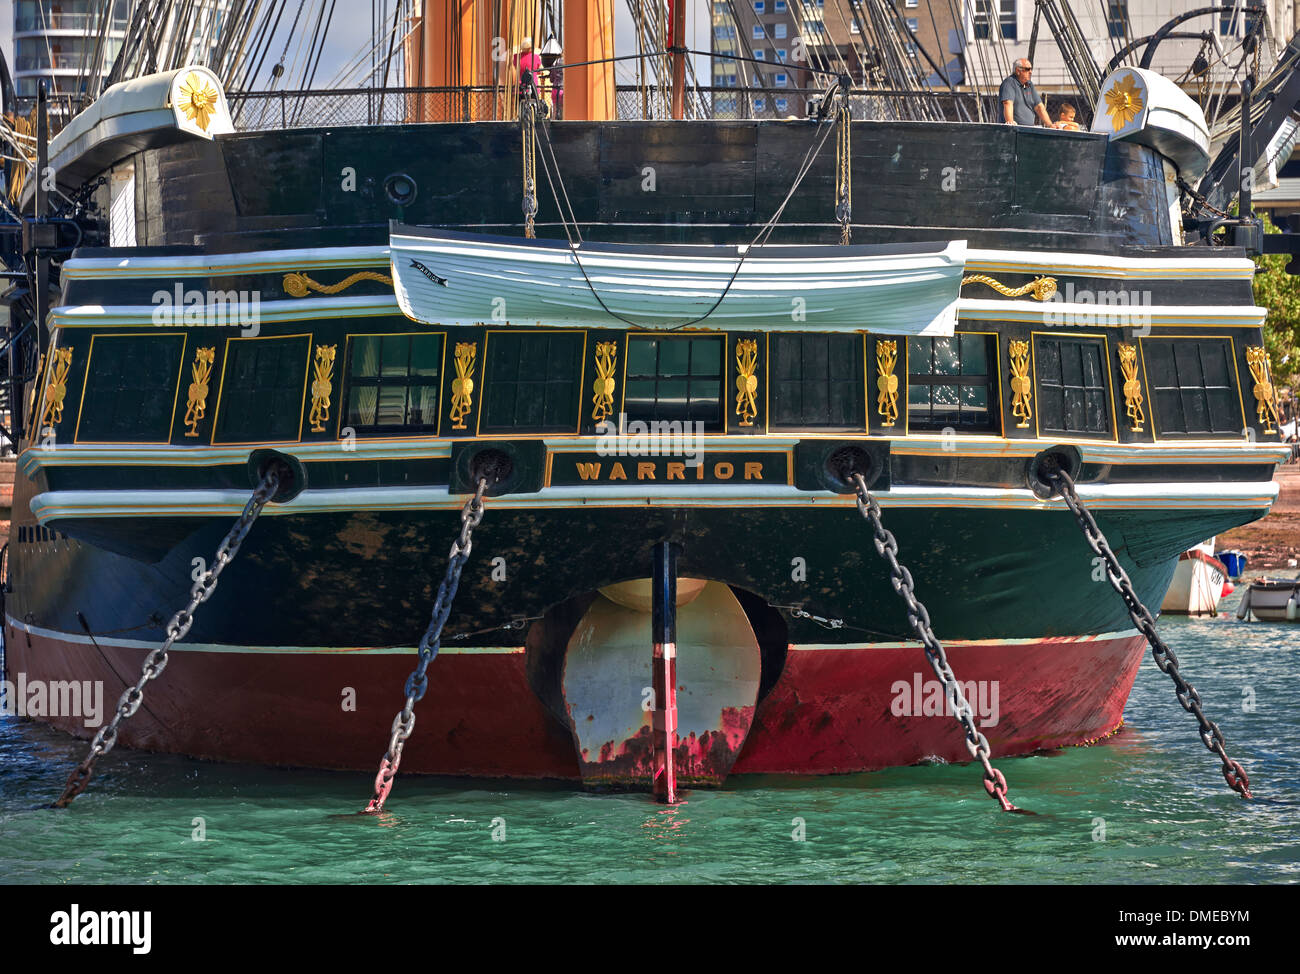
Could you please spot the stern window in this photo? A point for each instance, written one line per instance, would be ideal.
(394, 383)
(951, 382)
(1072, 395)
(817, 382)
(1194, 387)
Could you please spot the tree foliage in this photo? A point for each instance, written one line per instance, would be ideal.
(1279, 292)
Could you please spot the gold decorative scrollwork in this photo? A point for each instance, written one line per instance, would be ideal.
(321, 387)
(1265, 401)
(887, 381)
(746, 380)
(603, 389)
(1042, 288)
(300, 285)
(56, 387)
(462, 387)
(1132, 387)
(1020, 384)
(196, 405)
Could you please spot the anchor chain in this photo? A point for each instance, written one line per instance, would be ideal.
(418, 682)
(1233, 773)
(176, 630)
(887, 545)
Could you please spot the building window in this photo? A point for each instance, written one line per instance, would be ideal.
(1228, 17)
(986, 11)
(817, 381)
(758, 32)
(1193, 384)
(952, 383)
(758, 6)
(779, 80)
(760, 104)
(760, 54)
(913, 24)
(779, 31)
(1117, 17)
(782, 104)
(731, 81)
(675, 379)
(130, 389)
(780, 54)
(912, 3)
(1071, 376)
(262, 388)
(853, 28)
(531, 382)
(779, 6)
(394, 383)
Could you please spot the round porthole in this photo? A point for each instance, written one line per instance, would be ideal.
(401, 189)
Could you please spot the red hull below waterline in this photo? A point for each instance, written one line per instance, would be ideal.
(834, 709)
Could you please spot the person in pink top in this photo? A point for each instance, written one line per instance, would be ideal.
(526, 62)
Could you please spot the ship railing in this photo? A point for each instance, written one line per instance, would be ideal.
(260, 110)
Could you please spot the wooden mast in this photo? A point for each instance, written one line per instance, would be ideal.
(677, 27)
(589, 36)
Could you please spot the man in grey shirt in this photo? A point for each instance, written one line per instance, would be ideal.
(1021, 104)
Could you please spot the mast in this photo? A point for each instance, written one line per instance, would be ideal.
(677, 26)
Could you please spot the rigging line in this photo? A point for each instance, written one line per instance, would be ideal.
(319, 49)
(759, 240)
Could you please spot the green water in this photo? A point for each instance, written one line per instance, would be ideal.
(1168, 817)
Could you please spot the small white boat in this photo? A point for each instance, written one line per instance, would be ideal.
(1198, 582)
(448, 277)
(1271, 600)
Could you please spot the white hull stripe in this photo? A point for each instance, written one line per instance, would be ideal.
(1048, 314)
(264, 262)
(978, 260)
(34, 459)
(1060, 314)
(146, 645)
(52, 506)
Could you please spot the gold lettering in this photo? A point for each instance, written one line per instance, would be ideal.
(616, 472)
(676, 471)
(645, 471)
(589, 471)
(723, 470)
(753, 471)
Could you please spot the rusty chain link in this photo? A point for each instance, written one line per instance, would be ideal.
(887, 545)
(418, 682)
(1233, 773)
(176, 630)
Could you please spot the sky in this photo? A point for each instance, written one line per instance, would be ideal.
(352, 24)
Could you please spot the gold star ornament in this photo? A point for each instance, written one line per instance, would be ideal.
(198, 100)
(1124, 101)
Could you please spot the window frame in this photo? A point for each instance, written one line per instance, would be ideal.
(629, 337)
(863, 384)
(1150, 390)
(85, 385)
(391, 432)
(1107, 378)
(994, 385)
(221, 387)
(580, 383)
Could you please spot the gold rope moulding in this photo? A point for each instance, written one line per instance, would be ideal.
(1042, 288)
(299, 285)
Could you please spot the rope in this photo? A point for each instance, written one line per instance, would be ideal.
(759, 239)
